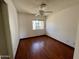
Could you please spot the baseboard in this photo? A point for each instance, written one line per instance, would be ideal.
(60, 42)
(32, 37)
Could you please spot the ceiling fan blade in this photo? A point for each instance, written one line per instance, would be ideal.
(48, 11)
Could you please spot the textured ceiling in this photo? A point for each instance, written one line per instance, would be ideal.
(31, 6)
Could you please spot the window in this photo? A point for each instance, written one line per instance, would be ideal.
(37, 24)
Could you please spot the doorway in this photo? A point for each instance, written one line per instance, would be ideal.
(5, 38)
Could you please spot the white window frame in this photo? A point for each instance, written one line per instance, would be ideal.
(38, 25)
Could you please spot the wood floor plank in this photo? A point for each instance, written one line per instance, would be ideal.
(43, 47)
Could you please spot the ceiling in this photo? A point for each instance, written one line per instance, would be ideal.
(31, 6)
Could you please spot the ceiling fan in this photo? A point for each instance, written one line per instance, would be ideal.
(42, 11)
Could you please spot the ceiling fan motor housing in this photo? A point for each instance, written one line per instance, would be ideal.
(43, 5)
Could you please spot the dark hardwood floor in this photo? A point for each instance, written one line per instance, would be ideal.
(43, 47)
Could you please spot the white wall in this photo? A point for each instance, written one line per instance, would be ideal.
(63, 25)
(25, 26)
(76, 53)
(13, 23)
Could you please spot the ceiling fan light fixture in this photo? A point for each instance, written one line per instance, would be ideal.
(39, 17)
